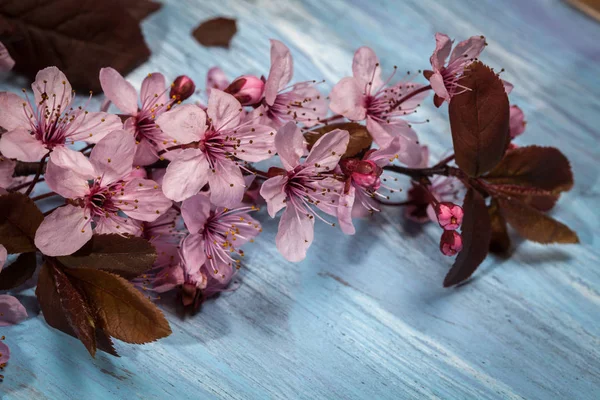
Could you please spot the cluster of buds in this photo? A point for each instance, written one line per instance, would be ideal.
(449, 216)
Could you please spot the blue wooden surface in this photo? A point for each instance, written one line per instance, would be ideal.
(366, 316)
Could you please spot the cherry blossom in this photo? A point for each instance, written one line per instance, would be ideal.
(97, 192)
(302, 187)
(154, 100)
(445, 78)
(11, 312)
(300, 102)
(48, 126)
(450, 243)
(449, 215)
(6, 61)
(365, 96)
(517, 121)
(209, 149)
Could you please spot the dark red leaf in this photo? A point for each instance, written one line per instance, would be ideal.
(500, 241)
(18, 272)
(77, 36)
(216, 32)
(124, 256)
(19, 219)
(533, 224)
(360, 139)
(75, 309)
(479, 119)
(476, 234)
(543, 168)
(123, 312)
(140, 9)
(542, 200)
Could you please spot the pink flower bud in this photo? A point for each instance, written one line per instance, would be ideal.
(517, 121)
(247, 89)
(182, 88)
(449, 215)
(364, 173)
(450, 243)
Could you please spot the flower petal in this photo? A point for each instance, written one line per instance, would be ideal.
(4, 353)
(469, 49)
(348, 100)
(3, 256)
(186, 175)
(11, 310)
(216, 79)
(66, 182)
(295, 234)
(256, 142)
(365, 68)
(192, 253)
(6, 61)
(437, 84)
(64, 231)
(112, 157)
(282, 69)
(145, 153)
(66, 158)
(328, 150)
(224, 111)
(226, 184)
(21, 145)
(119, 91)
(142, 199)
(185, 123)
(344, 211)
(443, 44)
(153, 91)
(195, 212)
(273, 191)
(15, 112)
(117, 224)
(93, 126)
(289, 143)
(7, 169)
(51, 84)
(383, 134)
(385, 155)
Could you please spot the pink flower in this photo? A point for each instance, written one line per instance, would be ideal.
(366, 96)
(6, 61)
(363, 181)
(3, 256)
(300, 102)
(149, 139)
(449, 215)
(450, 243)
(11, 312)
(215, 235)
(517, 121)
(216, 79)
(33, 132)
(96, 192)
(303, 186)
(247, 89)
(7, 168)
(210, 149)
(445, 79)
(165, 235)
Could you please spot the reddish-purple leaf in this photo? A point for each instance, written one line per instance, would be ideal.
(543, 168)
(140, 9)
(19, 219)
(124, 256)
(122, 311)
(77, 36)
(216, 32)
(540, 199)
(533, 224)
(75, 309)
(18, 272)
(360, 139)
(479, 119)
(476, 234)
(500, 241)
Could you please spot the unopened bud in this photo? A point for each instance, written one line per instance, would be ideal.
(182, 88)
(450, 243)
(449, 215)
(517, 121)
(364, 173)
(247, 89)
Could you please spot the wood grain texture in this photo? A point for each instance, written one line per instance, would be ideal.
(366, 316)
